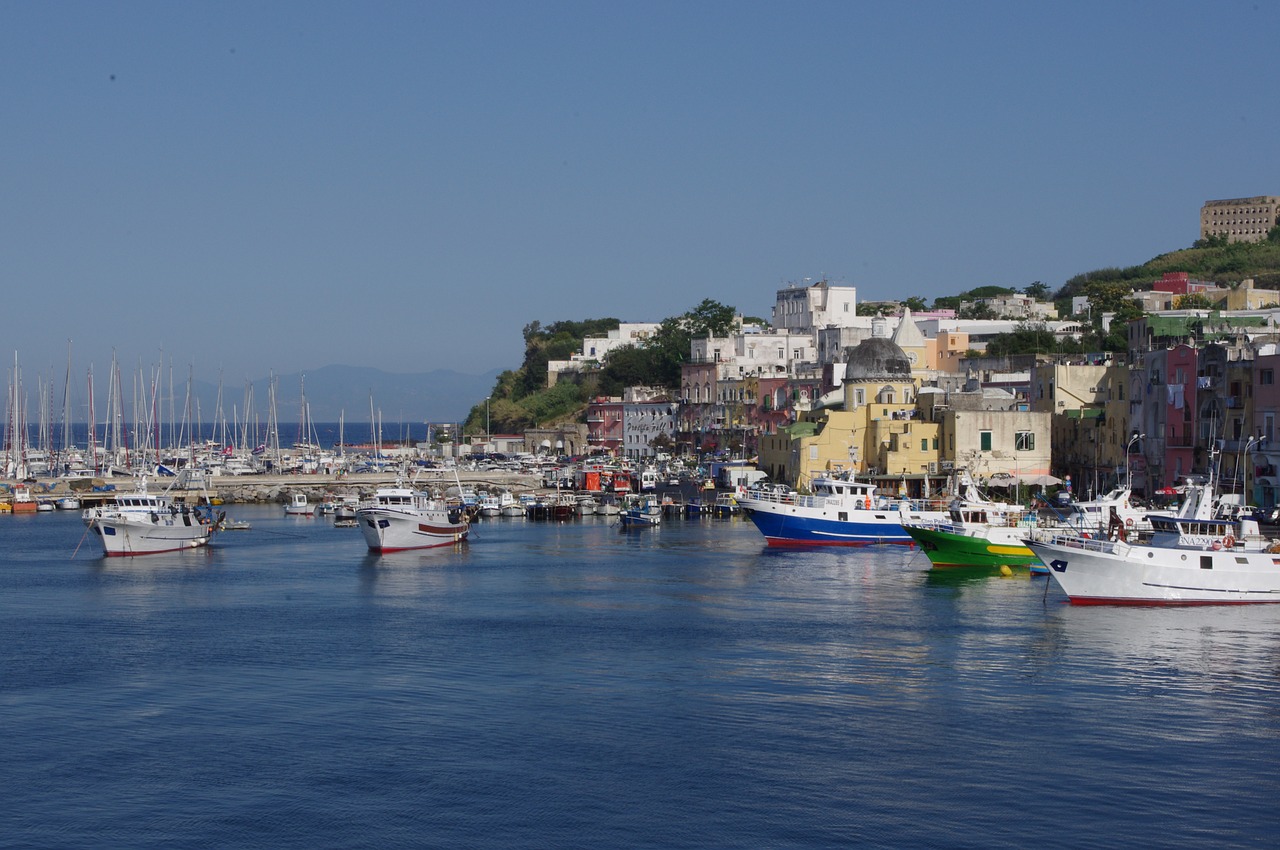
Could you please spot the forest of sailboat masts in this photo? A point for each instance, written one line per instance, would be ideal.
(151, 423)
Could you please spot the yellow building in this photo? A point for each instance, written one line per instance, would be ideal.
(877, 432)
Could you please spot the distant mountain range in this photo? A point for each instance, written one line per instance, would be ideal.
(441, 395)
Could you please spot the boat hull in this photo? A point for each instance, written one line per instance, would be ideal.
(784, 524)
(1102, 573)
(134, 536)
(947, 550)
(392, 531)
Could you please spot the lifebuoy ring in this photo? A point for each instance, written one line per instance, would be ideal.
(1129, 522)
(1229, 542)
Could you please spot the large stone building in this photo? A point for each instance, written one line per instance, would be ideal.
(804, 309)
(1240, 219)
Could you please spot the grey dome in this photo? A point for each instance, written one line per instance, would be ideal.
(876, 359)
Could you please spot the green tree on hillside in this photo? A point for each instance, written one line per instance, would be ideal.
(987, 292)
(1036, 290)
(710, 318)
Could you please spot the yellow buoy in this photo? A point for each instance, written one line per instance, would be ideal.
(1005, 571)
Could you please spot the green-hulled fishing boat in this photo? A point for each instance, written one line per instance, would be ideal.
(976, 546)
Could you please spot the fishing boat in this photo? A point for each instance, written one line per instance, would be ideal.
(345, 511)
(299, 506)
(490, 505)
(641, 513)
(1193, 557)
(68, 503)
(22, 500)
(979, 532)
(840, 511)
(400, 518)
(977, 535)
(725, 505)
(518, 508)
(142, 523)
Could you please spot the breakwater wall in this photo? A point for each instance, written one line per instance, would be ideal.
(251, 489)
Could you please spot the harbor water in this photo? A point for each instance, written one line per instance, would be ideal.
(574, 685)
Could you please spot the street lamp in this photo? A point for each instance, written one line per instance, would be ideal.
(1244, 476)
(1128, 465)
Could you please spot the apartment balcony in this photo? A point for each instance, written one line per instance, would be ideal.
(1180, 441)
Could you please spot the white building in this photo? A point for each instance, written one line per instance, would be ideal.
(804, 309)
(628, 333)
(746, 355)
(642, 423)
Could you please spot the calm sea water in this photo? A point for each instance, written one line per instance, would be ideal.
(576, 686)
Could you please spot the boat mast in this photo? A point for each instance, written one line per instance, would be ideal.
(67, 443)
(93, 425)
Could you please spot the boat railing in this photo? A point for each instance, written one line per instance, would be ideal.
(1079, 541)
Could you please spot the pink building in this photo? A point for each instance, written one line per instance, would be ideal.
(1180, 283)
(1162, 392)
(1265, 485)
(604, 424)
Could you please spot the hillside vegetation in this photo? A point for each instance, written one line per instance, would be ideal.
(521, 398)
(1213, 260)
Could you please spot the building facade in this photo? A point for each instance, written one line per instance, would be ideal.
(1240, 219)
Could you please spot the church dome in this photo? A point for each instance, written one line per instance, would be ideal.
(877, 359)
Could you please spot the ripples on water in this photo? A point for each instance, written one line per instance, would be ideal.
(576, 686)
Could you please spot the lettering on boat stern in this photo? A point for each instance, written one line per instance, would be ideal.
(1058, 565)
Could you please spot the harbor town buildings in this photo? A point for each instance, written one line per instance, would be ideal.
(904, 400)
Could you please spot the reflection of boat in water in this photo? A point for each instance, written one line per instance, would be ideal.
(976, 575)
(1194, 557)
(1211, 650)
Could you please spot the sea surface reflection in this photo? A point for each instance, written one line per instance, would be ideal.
(577, 685)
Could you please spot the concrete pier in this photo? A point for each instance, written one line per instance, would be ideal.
(248, 489)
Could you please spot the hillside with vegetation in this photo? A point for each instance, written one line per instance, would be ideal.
(522, 399)
(1214, 260)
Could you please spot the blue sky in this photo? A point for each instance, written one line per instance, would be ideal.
(247, 187)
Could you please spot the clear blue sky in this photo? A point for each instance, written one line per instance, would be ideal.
(279, 186)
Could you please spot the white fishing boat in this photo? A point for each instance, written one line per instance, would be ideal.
(68, 503)
(299, 506)
(1193, 557)
(400, 518)
(345, 511)
(491, 504)
(142, 523)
